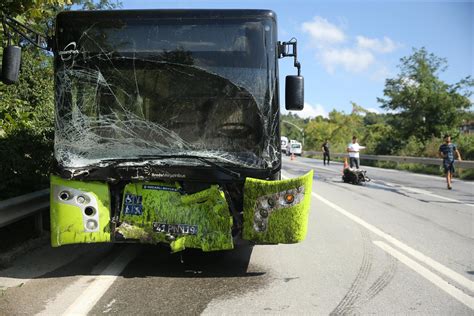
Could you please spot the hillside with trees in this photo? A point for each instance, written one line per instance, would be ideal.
(420, 109)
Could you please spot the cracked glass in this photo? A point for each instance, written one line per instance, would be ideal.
(129, 87)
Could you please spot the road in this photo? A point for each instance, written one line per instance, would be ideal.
(400, 244)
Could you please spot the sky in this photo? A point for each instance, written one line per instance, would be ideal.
(348, 48)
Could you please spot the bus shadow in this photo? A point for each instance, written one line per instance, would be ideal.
(150, 261)
(194, 263)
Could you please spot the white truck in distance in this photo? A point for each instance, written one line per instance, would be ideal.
(294, 147)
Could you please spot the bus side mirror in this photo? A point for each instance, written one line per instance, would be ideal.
(11, 64)
(294, 93)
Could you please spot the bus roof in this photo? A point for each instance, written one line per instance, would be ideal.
(172, 14)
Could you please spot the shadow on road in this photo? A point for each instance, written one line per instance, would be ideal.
(151, 260)
(158, 261)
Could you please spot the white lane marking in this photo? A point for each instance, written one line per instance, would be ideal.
(100, 284)
(409, 189)
(38, 262)
(421, 191)
(430, 276)
(414, 253)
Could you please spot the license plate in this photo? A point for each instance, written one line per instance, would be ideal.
(175, 229)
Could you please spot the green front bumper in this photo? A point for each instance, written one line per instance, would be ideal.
(155, 212)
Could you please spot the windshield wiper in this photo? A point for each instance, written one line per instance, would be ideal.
(207, 161)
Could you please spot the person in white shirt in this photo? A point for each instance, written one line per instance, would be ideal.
(353, 150)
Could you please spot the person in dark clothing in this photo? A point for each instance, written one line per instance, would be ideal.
(325, 149)
(446, 151)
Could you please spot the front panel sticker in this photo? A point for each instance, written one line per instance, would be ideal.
(161, 188)
(177, 229)
(133, 205)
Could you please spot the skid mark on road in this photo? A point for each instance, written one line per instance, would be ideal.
(348, 304)
(383, 280)
(360, 292)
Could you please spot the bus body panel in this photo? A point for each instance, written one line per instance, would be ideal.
(154, 212)
(277, 211)
(80, 212)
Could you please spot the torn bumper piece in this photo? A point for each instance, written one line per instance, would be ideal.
(80, 212)
(157, 212)
(277, 211)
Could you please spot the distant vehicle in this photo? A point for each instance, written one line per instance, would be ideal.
(295, 147)
(284, 143)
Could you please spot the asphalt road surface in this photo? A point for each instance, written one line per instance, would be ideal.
(400, 244)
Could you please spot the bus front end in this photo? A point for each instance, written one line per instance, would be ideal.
(167, 131)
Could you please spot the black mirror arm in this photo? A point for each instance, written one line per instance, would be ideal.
(284, 51)
(39, 40)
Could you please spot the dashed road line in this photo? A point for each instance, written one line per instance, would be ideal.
(94, 292)
(83, 294)
(428, 193)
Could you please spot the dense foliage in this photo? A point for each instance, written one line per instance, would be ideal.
(27, 108)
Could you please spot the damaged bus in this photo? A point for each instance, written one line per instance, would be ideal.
(167, 130)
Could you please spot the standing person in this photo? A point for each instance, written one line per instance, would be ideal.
(353, 150)
(325, 149)
(446, 151)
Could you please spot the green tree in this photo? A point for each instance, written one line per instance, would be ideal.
(27, 108)
(425, 106)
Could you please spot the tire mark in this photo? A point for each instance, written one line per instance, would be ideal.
(348, 303)
(360, 293)
(383, 280)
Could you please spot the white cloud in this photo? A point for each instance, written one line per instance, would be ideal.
(311, 111)
(374, 110)
(386, 45)
(323, 32)
(351, 59)
(334, 49)
(381, 73)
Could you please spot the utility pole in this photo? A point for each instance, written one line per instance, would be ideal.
(297, 127)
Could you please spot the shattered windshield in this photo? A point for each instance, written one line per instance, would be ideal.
(129, 87)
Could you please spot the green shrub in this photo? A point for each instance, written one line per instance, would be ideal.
(26, 127)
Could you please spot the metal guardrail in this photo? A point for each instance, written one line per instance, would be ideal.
(17, 208)
(466, 164)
